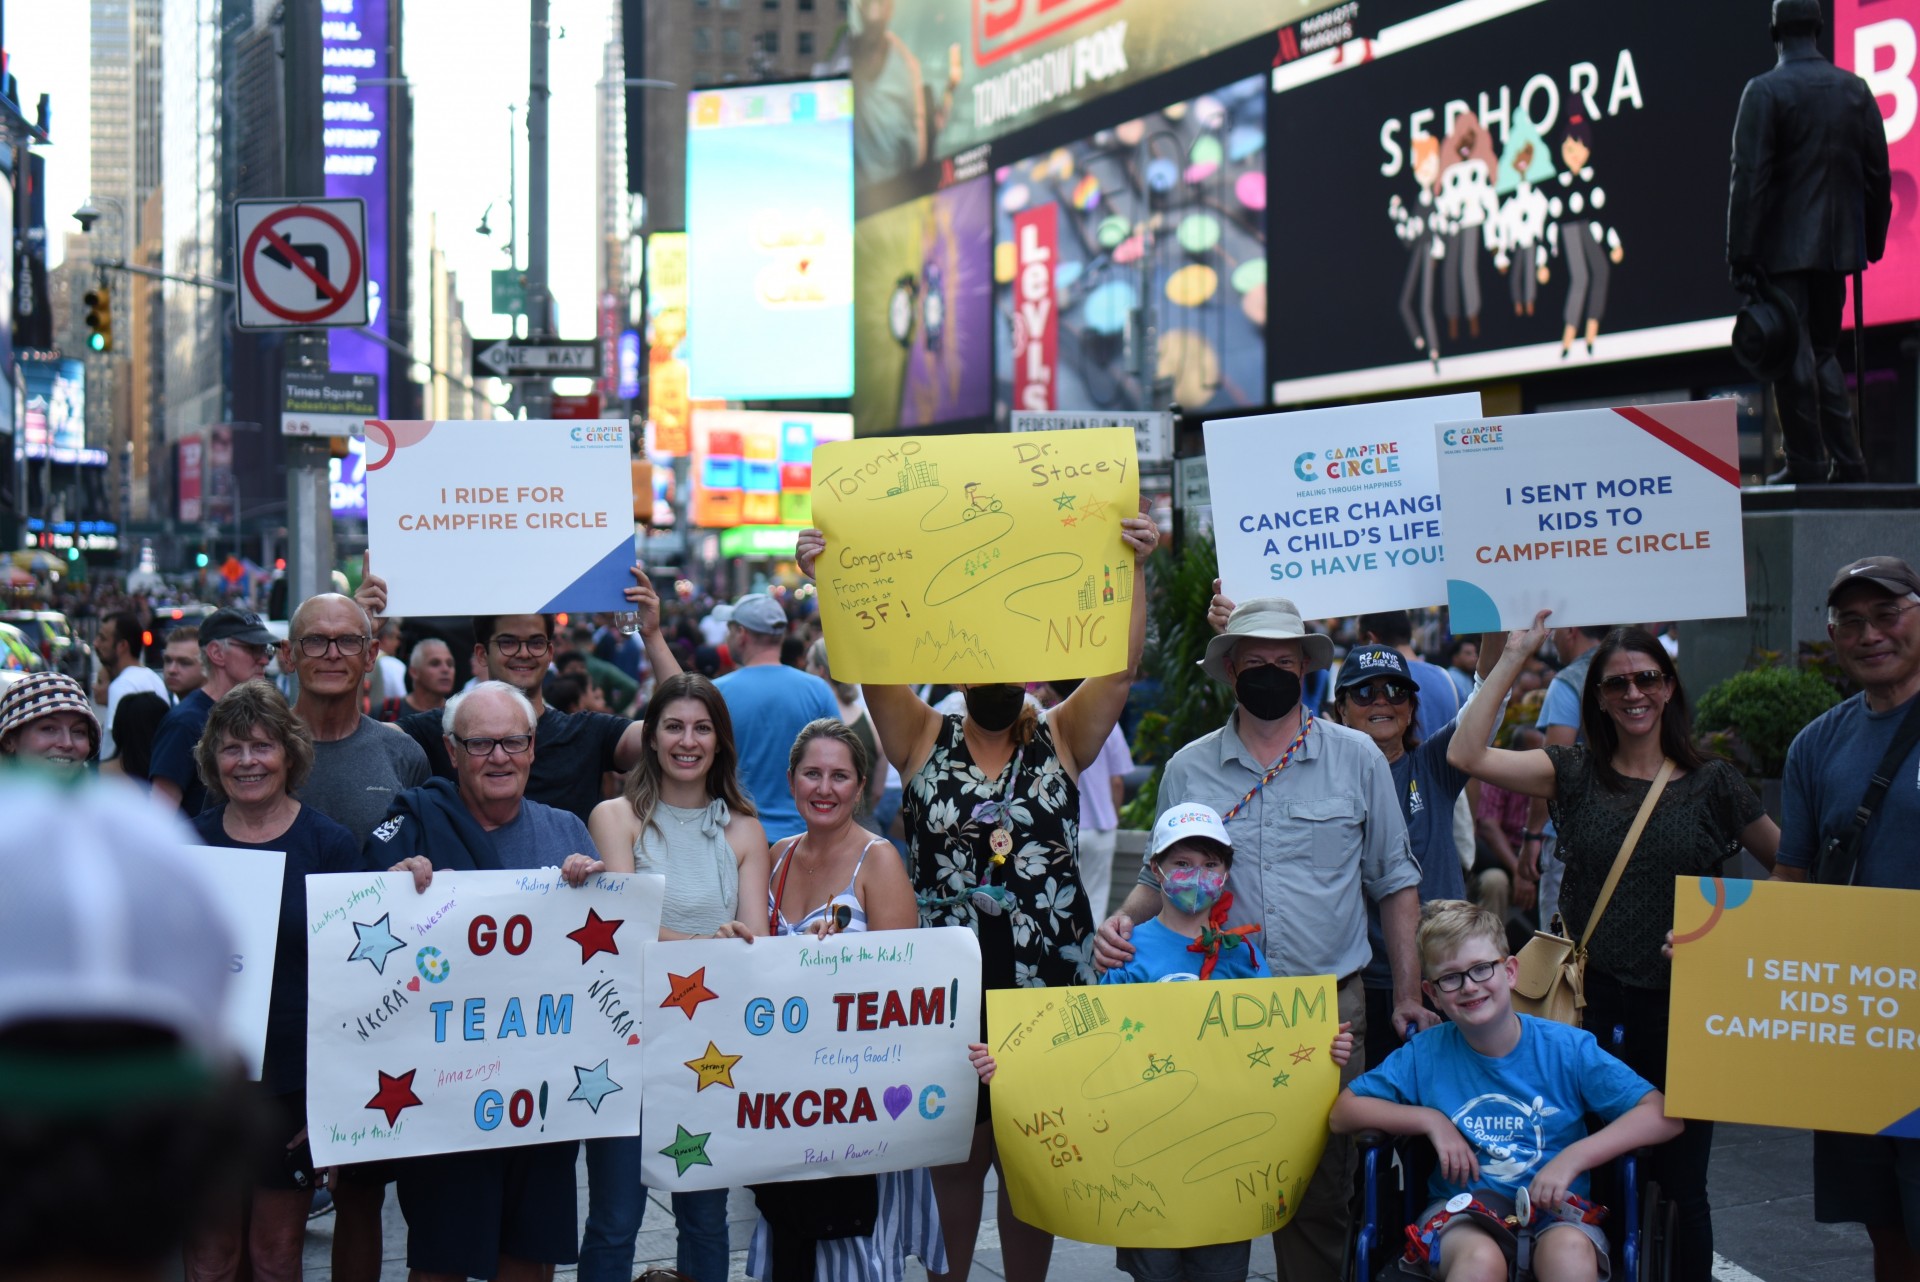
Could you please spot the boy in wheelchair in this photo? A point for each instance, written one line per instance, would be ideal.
(1502, 1097)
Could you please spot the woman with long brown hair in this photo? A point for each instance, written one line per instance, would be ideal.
(684, 815)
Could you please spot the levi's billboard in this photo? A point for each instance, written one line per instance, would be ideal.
(1876, 40)
(936, 77)
(1489, 188)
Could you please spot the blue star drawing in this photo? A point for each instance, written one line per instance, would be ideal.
(593, 1085)
(376, 942)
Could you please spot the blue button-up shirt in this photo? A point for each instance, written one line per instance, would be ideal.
(1309, 848)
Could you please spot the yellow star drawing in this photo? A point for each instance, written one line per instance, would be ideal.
(715, 1068)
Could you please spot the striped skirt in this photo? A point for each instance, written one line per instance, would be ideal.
(906, 1223)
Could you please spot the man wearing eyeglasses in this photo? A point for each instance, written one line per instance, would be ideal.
(1873, 616)
(359, 765)
(500, 1212)
(234, 645)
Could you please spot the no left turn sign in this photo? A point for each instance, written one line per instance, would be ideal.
(302, 263)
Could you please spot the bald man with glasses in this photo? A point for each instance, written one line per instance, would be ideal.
(359, 765)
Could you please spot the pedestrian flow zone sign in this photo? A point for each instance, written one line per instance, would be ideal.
(302, 263)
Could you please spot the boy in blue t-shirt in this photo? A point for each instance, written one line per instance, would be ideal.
(1190, 853)
(1503, 1098)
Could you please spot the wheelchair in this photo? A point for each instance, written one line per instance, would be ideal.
(1639, 1225)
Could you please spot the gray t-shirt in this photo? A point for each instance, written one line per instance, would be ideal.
(355, 779)
(541, 837)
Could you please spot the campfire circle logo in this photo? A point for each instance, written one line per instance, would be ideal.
(1508, 1132)
(598, 435)
(1477, 437)
(1349, 462)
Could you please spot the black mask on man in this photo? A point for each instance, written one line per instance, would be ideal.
(1267, 692)
(994, 708)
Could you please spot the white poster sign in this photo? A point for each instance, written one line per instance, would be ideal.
(491, 517)
(1338, 510)
(245, 885)
(794, 1057)
(1602, 516)
(498, 1008)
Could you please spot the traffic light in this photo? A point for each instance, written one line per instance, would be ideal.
(200, 560)
(99, 318)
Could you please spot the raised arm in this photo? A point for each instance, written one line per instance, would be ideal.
(1086, 717)
(1529, 772)
(906, 726)
(644, 601)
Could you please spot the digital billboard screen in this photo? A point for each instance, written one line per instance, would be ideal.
(1164, 213)
(770, 241)
(1877, 41)
(356, 147)
(1490, 189)
(54, 418)
(923, 310)
(755, 467)
(936, 77)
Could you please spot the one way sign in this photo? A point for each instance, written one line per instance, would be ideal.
(518, 357)
(302, 263)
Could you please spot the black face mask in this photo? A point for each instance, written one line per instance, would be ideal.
(1267, 692)
(994, 708)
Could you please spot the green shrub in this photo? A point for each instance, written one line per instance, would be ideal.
(1753, 716)
(1191, 703)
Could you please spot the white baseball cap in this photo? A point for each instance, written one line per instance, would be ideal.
(102, 919)
(1190, 819)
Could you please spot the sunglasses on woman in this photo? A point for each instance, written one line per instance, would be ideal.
(1374, 691)
(1647, 682)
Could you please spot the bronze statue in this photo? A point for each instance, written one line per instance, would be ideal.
(1808, 205)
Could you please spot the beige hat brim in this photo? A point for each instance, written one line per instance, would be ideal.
(1317, 645)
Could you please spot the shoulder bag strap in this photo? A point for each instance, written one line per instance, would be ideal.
(1658, 786)
(1835, 863)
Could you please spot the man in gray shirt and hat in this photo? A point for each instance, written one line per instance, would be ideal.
(1317, 831)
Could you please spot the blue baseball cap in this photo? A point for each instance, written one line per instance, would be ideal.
(1366, 662)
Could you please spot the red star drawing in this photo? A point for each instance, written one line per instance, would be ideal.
(596, 936)
(688, 991)
(395, 1094)
(1302, 1055)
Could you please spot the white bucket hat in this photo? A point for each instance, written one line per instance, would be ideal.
(1267, 618)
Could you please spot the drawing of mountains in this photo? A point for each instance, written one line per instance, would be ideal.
(958, 646)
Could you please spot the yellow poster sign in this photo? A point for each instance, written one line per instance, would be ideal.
(1795, 1005)
(1162, 1114)
(992, 557)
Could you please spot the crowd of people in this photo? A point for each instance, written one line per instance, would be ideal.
(1398, 824)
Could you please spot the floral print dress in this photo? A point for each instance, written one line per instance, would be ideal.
(1043, 935)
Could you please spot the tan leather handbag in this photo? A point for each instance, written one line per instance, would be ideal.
(1552, 979)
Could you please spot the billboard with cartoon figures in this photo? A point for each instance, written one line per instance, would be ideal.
(922, 311)
(933, 78)
(1491, 188)
(1163, 215)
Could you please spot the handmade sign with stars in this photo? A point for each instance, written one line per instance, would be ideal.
(1162, 1114)
(794, 1057)
(496, 1008)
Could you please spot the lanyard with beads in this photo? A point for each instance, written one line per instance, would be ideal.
(1306, 724)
